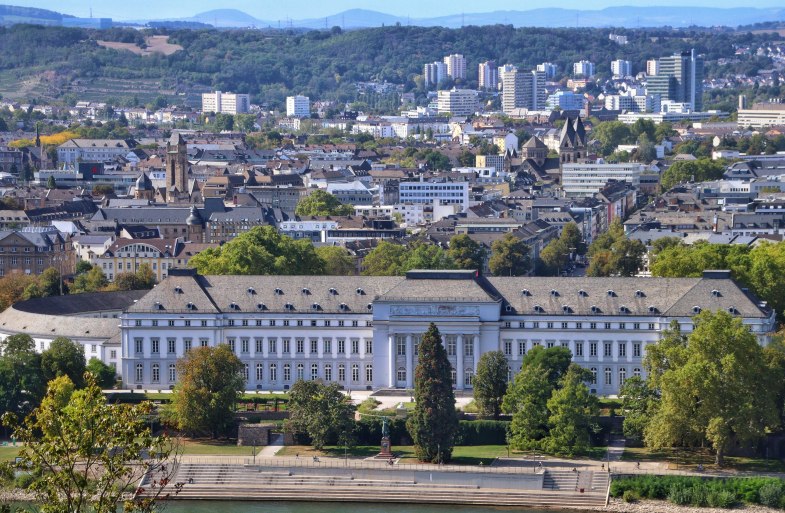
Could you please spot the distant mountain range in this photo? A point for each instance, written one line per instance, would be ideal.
(624, 16)
(629, 17)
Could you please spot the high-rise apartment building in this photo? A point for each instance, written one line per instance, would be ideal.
(456, 66)
(488, 75)
(584, 68)
(503, 71)
(621, 68)
(227, 103)
(548, 68)
(652, 66)
(434, 73)
(298, 106)
(679, 79)
(523, 90)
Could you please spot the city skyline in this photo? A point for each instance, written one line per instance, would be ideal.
(147, 9)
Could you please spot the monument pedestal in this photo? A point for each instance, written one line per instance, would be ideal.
(386, 451)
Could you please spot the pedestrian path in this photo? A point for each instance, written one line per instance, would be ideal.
(276, 444)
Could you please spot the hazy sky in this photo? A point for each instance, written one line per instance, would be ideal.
(301, 9)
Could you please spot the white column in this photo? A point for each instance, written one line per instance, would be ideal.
(409, 362)
(475, 351)
(320, 347)
(459, 362)
(391, 360)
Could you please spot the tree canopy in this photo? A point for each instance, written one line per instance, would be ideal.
(322, 203)
(22, 383)
(64, 358)
(510, 256)
(613, 254)
(322, 412)
(466, 253)
(261, 250)
(210, 382)
(389, 259)
(490, 383)
(700, 170)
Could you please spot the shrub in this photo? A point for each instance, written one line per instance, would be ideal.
(24, 481)
(482, 432)
(631, 496)
(721, 499)
(681, 495)
(770, 494)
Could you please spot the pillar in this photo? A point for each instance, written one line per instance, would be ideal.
(409, 362)
(459, 362)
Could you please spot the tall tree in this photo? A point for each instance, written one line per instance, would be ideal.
(554, 360)
(386, 259)
(553, 258)
(322, 412)
(466, 253)
(434, 422)
(84, 454)
(91, 281)
(490, 383)
(527, 402)
(64, 358)
(510, 256)
(572, 409)
(322, 203)
(714, 395)
(613, 254)
(105, 376)
(638, 403)
(22, 383)
(209, 385)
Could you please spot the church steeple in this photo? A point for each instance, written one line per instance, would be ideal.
(176, 167)
(37, 135)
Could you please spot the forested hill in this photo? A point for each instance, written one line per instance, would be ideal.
(326, 64)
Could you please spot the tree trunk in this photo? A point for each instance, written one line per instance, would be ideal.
(719, 457)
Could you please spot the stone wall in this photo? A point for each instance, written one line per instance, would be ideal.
(259, 434)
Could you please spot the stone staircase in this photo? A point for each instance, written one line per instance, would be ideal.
(232, 482)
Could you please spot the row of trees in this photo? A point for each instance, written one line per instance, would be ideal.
(716, 386)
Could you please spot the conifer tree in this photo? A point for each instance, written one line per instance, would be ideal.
(434, 423)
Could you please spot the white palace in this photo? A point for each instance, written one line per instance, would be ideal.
(363, 332)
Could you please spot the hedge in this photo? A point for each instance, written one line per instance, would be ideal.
(701, 492)
(482, 432)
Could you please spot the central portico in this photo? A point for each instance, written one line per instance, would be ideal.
(462, 305)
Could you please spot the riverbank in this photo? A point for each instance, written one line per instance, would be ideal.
(648, 506)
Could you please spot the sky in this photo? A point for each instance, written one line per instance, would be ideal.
(301, 9)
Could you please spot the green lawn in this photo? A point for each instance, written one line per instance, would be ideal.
(690, 458)
(8, 453)
(215, 448)
(462, 455)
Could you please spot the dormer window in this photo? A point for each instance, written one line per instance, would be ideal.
(178, 290)
(278, 292)
(360, 292)
(316, 306)
(343, 307)
(583, 293)
(289, 306)
(261, 306)
(234, 306)
(611, 293)
(640, 293)
(158, 306)
(716, 293)
(624, 309)
(369, 307)
(306, 291)
(333, 292)
(538, 309)
(654, 309)
(251, 291)
(566, 309)
(191, 306)
(732, 310)
(509, 308)
(554, 293)
(525, 292)
(696, 309)
(595, 309)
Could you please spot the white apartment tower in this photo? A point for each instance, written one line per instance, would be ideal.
(548, 68)
(503, 72)
(652, 67)
(434, 73)
(298, 106)
(227, 103)
(621, 68)
(523, 90)
(488, 75)
(456, 66)
(458, 102)
(584, 68)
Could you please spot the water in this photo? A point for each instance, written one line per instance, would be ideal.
(328, 507)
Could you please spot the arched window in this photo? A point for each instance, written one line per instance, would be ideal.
(369, 374)
(622, 376)
(314, 371)
(608, 376)
(328, 372)
(355, 373)
(172, 373)
(468, 377)
(273, 373)
(594, 375)
(259, 371)
(139, 372)
(401, 374)
(300, 371)
(636, 372)
(156, 373)
(341, 372)
(453, 377)
(287, 372)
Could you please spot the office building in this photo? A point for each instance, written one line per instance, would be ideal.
(621, 68)
(298, 106)
(583, 68)
(762, 115)
(488, 75)
(580, 180)
(456, 66)
(679, 79)
(458, 102)
(438, 193)
(226, 103)
(565, 100)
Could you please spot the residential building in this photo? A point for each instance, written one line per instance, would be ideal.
(621, 68)
(298, 106)
(565, 100)
(549, 69)
(127, 255)
(32, 250)
(433, 192)
(93, 150)
(503, 71)
(652, 67)
(583, 68)
(362, 332)
(434, 73)
(679, 78)
(589, 178)
(226, 103)
(458, 102)
(490, 161)
(456, 66)
(488, 75)
(523, 90)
